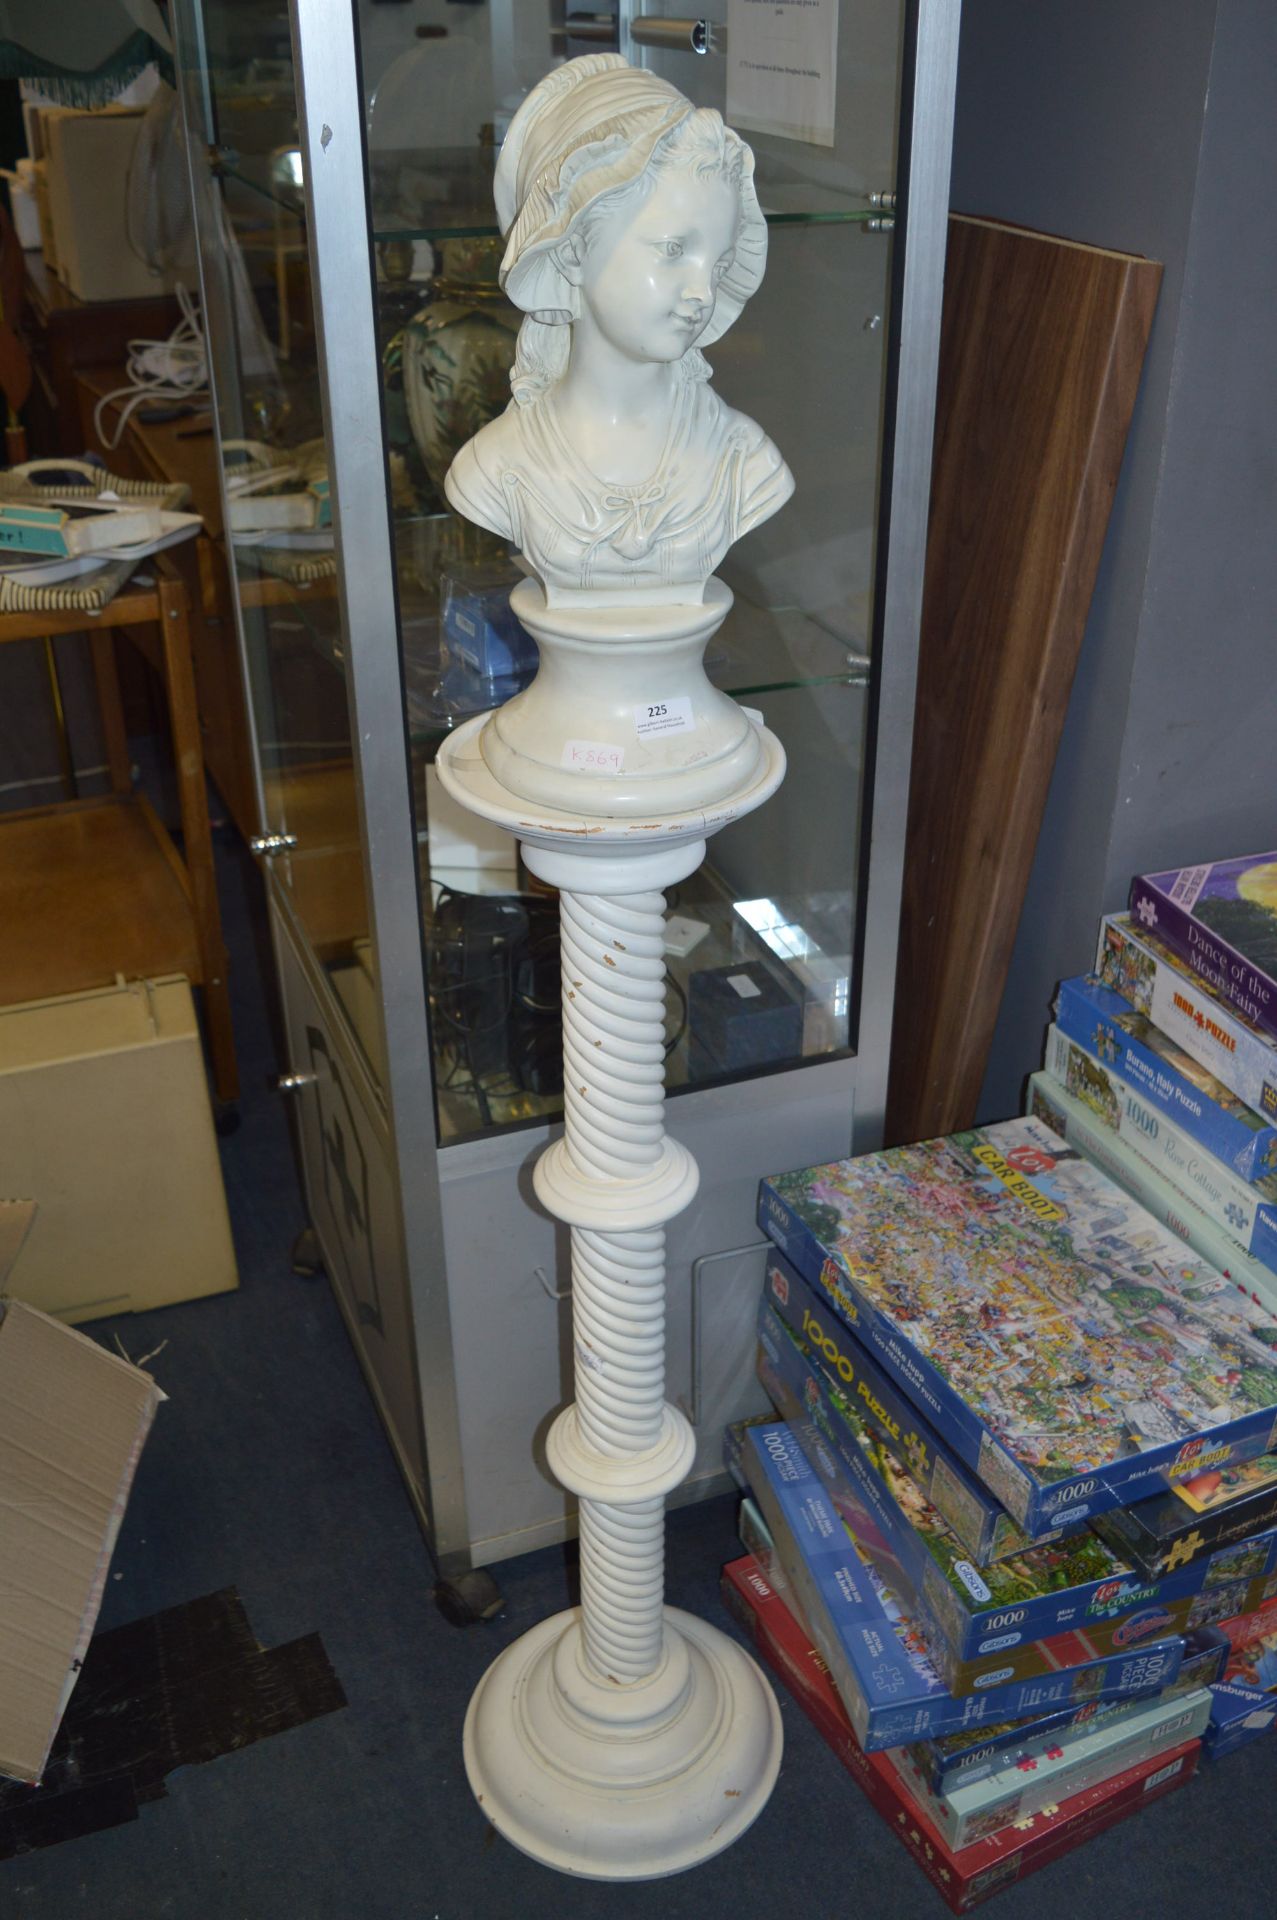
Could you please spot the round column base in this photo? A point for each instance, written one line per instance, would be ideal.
(623, 1782)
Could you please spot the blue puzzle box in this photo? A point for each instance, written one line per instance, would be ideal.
(981, 1522)
(966, 1613)
(1065, 1345)
(1108, 1028)
(892, 1693)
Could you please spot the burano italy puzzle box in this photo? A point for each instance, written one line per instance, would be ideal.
(1070, 1349)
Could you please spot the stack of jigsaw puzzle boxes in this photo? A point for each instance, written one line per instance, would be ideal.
(1014, 1540)
(1162, 1063)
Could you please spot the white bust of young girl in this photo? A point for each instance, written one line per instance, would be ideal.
(633, 237)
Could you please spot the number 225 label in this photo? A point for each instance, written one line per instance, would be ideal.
(663, 716)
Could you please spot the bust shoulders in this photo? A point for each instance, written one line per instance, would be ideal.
(718, 476)
(473, 483)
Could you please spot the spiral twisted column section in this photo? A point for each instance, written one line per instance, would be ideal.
(622, 1587)
(613, 956)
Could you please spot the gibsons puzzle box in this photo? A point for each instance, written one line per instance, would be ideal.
(1070, 1349)
(1073, 1600)
(890, 1687)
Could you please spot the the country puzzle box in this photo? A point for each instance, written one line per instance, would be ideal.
(971, 1809)
(1153, 979)
(1050, 1101)
(1070, 1349)
(1173, 1082)
(1071, 1601)
(892, 1692)
(979, 1520)
(1221, 919)
(1246, 1210)
(965, 1878)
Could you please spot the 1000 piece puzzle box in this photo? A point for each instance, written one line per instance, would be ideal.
(1071, 1349)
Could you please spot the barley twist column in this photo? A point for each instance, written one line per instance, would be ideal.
(614, 1062)
(624, 1739)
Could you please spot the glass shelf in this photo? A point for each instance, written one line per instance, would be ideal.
(445, 193)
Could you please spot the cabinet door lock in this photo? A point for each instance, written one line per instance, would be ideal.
(293, 1082)
(269, 844)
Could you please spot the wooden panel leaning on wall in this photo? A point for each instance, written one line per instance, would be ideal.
(1042, 344)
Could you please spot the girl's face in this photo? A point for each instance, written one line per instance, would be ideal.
(649, 277)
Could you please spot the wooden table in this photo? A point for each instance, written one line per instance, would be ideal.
(92, 888)
(169, 451)
(65, 333)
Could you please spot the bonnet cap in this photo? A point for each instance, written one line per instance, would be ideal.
(591, 126)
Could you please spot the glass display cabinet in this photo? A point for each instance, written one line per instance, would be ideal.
(342, 169)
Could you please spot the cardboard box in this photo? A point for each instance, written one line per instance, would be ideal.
(73, 1419)
(105, 1118)
(1238, 1715)
(972, 1810)
(89, 163)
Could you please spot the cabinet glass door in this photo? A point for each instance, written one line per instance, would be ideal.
(240, 105)
(763, 939)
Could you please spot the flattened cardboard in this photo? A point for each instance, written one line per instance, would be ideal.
(73, 1420)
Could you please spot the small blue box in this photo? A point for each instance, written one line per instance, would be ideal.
(742, 1016)
(481, 630)
(1238, 1715)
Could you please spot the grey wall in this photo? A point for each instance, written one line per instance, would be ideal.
(1147, 125)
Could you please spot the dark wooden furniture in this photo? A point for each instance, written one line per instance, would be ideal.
(1042, 343)
(63, 334)
(92, 888)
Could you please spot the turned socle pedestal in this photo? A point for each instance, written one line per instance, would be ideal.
(623, 1739)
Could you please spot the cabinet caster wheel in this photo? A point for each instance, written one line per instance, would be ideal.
(306, 1258)
(225, 1118)
(470, 1599)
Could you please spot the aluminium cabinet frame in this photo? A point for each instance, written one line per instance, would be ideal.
(330, 95)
